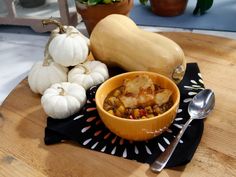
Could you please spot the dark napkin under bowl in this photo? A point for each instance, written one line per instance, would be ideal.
(87, 129)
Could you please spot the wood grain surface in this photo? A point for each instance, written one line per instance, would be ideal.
(22, 122)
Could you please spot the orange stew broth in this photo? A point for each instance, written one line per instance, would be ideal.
(113, 105)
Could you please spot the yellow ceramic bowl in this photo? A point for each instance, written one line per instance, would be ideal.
(141, 129)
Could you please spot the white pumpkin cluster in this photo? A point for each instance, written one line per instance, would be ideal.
(63, 88)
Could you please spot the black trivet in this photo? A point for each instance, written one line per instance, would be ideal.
(88, 130)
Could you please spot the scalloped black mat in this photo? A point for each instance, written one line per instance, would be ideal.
(86, 128)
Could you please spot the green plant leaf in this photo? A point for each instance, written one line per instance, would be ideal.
(144, 2)
(93, 2)
(202, 6)
(107, 1)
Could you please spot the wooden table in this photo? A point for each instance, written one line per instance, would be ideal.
(22, 122)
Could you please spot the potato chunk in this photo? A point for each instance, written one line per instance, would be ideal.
(162, 97)
(138, 92)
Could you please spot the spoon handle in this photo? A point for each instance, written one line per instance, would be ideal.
(162, 160)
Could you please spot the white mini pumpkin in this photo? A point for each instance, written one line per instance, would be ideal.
(67, 46)
(43, 74)
(89, 74)
(62, 100)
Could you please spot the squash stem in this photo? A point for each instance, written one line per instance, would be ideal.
(62, 92)
(55, 22)
(178, 73)
(47, 61)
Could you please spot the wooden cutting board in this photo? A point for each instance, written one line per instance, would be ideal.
(22, 122)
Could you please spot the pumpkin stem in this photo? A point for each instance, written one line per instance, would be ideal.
(62, 92)
(55, 22)
(86, 70)
(47, 61)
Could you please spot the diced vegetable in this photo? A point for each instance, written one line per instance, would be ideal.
(117, 93)
(111, 112)
(136, 113)
(149, 110)
(121, 109)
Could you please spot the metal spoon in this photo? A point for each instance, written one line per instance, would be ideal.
(200, 106)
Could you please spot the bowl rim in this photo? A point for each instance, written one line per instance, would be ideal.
(134, 72)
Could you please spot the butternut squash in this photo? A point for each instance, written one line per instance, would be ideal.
(118, 41)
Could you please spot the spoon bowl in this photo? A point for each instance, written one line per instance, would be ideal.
(202, 104)
(199, 108)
